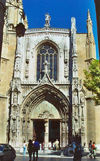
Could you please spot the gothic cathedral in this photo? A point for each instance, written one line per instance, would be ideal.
(41, 88)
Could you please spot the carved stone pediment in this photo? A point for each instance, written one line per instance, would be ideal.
(46, 114)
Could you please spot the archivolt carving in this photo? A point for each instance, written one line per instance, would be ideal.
(48, 93)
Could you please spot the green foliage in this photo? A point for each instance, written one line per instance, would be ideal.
(92, 80)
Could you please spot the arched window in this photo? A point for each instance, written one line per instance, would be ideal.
(47, 52)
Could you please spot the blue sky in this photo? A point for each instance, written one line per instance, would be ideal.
(61, 12)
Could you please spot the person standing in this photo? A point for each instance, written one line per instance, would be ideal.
(49, 145)
(77, 154)
(30, 148)
(90, 149)
(24, 147)
(93, 150)
(57, 144)
(35, 150)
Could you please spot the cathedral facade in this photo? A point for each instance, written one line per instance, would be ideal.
(42, 93)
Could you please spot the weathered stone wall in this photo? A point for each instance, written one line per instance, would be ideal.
(97, 120)
(3, 118)
(91, 121)
(81, 54)
(7, 63)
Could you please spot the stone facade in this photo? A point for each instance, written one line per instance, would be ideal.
(43, 82)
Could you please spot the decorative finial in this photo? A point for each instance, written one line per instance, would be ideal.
(89, 17)
(89, 21)
(47, 20)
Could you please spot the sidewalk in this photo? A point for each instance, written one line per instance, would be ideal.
(54, 153)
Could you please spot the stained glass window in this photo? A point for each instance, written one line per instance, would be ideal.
(47, 52)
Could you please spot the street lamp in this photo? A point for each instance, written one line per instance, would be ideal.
(20, 28)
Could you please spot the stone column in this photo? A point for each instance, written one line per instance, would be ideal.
(46, 134)
(61, 141)
(63, 133)
(31, 127)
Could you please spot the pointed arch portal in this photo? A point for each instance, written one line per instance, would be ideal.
(32, 111)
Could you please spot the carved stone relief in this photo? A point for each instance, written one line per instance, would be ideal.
(46, 114)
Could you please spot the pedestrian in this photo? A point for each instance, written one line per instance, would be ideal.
(30, 148)
(49, 145)
(54, 146)
(43, 146)
(24, 147)
(57, 144)
(77, 154)
(35, 150)
(93, 150)
(74, 146)
(90, 149)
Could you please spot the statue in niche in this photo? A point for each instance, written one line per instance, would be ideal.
(82, 99)
(75, 99)
(15, 99)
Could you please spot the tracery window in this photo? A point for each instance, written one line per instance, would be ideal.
(47, 52)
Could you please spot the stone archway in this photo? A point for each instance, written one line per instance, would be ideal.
(52, 95)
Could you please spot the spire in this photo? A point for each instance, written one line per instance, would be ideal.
(89, 22)
(90, 44)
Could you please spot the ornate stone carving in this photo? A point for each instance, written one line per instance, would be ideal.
(15, 98)
(73, 35)
(27, 71)
(66, 69)
(46, 114)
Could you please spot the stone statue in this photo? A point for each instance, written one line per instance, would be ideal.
(82, 99)
(47, 20)
(75, 99)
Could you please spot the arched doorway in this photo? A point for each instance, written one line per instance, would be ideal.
(46, 105)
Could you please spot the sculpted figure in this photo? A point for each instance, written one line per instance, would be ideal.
(47, 20)
(75, 99)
